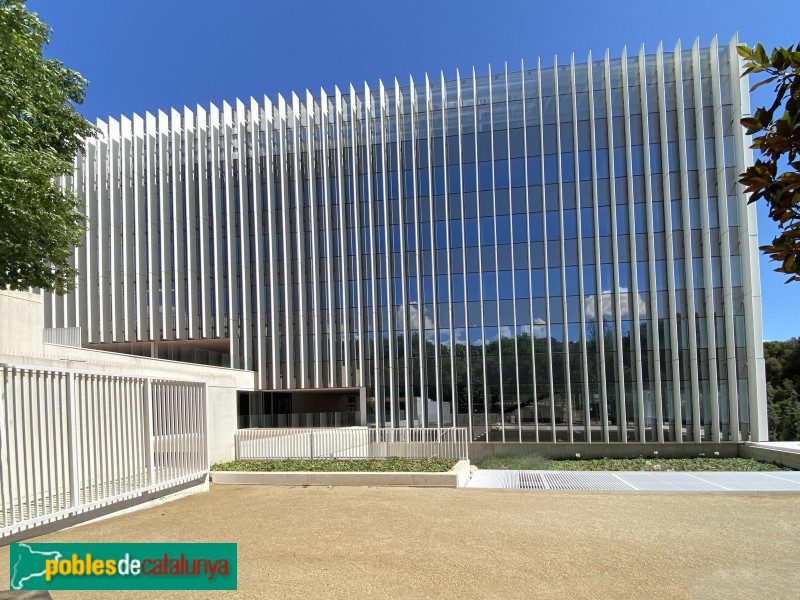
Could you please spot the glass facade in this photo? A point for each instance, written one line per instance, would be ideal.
(559, 253)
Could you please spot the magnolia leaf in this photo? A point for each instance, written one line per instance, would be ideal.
(760, 83)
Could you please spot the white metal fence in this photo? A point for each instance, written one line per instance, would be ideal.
(351, 442)
(72, 441)
(63, 336)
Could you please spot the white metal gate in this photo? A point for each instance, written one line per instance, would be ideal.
(72, 441)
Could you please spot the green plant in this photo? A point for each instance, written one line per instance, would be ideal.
(517, 462)
(783, 389)
(422, 465)
(654, 463)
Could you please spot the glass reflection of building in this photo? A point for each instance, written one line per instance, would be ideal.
(556, 253)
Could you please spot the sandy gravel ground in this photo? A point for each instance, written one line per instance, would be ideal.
(445, 543)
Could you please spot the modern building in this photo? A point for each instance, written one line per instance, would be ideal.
(555, 253)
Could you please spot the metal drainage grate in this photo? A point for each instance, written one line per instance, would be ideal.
(636, 481)
(530, 480)
(570, 481)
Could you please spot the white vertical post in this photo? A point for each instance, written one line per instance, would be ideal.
(712, 390)
(203, 427)
(113, 222)
(650, 283)
(230, 249)
(599, 335)
(4, 441)
(343, 374)
(151, 228)
(437, 352)
(259, 260)
(722, 199)
(546, 260)
(73, 441)
(622, 418)
(300, 233)
(360, 312)
(528, 253)
(748, 239)
(246, 204)
(127, 259)
(688, 251)
(633, 283)
(216, 218)
(465, 274)
(671, 265)
(148, 440)
(389, 377)
(140, 269)
(403, 309)
(562, 253)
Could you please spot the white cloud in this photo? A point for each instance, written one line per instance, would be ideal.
(413, 318)
(607, 305)
(539, 328)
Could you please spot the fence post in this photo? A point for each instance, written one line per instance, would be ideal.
(72, 435)
(207, 445)
(311, 443)
(148, 443)
(5, 436)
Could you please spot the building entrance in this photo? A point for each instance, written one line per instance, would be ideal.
(300, 408)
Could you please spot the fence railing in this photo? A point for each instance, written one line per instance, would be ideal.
(351, 442)
(73, 441)
(451, 442)
(63, 336)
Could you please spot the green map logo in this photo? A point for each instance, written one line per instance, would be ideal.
(189, 566)
(29, 564)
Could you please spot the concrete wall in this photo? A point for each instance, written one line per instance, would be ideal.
(775, 456)
(21, 326)
(21, 323)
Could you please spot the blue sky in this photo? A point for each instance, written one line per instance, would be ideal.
(150, 55)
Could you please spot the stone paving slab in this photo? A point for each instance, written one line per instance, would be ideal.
(638, 481)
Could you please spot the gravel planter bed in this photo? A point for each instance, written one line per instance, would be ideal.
(650, 463)
(396, 465)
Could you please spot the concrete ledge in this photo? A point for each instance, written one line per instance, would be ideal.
(783, 457)
(456, 477)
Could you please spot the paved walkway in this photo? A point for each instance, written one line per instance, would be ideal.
(638, 481)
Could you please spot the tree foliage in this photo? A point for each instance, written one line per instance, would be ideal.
(778, 138)
(40, 134)
(783, 387)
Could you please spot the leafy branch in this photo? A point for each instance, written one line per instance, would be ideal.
(777, 138)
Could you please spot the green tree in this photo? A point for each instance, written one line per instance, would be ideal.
(782, 361)
(40, 134)
(778, 138)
